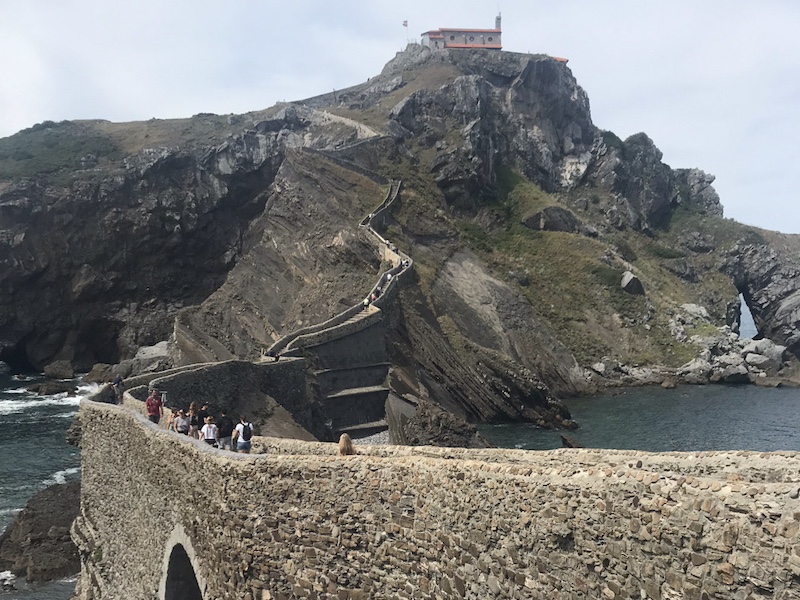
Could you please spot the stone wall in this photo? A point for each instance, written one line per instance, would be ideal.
(397, 522)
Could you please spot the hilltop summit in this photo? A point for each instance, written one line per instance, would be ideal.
(521, 216)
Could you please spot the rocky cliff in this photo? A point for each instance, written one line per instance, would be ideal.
(219, 234)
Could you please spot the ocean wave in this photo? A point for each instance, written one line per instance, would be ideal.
(8, 407)
(8, 511)
(32, 400)
(21, 390)
(60, 477)
(66, 415)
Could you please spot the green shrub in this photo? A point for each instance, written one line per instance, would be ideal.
(664, 252)
(625, 250)
(607, 276)
(48, 147)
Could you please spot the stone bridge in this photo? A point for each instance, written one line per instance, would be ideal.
(166, 517)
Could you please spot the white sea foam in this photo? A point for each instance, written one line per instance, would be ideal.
(32, 400)
(8, 511)
(7, 577)
(66, 415)
(21, 390)
(8, 407)
(61, 476)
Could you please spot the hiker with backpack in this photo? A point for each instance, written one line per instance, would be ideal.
(242, 435)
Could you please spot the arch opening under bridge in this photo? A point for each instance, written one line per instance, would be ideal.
(179, 580)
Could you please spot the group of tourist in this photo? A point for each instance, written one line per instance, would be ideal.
(200, 424)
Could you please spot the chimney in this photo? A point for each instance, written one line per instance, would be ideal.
(497, 22)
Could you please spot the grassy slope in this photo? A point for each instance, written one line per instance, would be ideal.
(54, 150)
(571, 283)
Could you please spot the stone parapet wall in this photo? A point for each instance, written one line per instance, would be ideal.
(334, 332)
(397, 522)
(338, 319)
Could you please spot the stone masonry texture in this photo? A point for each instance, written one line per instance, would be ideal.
(295, 520)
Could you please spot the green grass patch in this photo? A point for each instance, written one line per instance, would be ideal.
(664, 252)
(605, 275)
(48, 147)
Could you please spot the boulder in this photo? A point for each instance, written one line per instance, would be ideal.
(696, 371)
(148, 359)
(683, 269)
(697, 242)
(100, 373)
(38, 543)
(760, 361)
(773, 352)
(49, 388)
(631, 284)
(59, 369)
(553, 218)
(737, 374)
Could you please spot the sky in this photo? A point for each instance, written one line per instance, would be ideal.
(714, 83)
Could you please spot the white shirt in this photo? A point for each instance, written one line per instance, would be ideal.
(209, 431)
(240, 430)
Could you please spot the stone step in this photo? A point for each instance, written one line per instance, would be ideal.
(350, 392)
(341, 369)
(364, 429)
(337, 379)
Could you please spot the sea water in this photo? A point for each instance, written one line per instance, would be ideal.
(687, 418)
(33, 455)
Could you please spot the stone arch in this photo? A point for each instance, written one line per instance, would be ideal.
(180, 576)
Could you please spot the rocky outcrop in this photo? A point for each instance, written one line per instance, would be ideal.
(523, 111)
(767, 277)
(724, 357)
(553, 218)
(432, 426)
(38, 543)
(128, 246)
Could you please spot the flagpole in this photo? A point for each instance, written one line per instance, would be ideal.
(405, 24)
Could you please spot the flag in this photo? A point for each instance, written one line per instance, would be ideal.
(405, 23)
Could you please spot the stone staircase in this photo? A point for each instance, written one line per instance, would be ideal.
(348, 362)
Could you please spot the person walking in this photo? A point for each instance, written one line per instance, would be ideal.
(181, 423)
(209, 432)
(194, 420)
(242, 435)
(225, 427)
(155, 409)
(119, 388)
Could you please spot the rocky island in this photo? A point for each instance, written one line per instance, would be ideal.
(451, 242)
